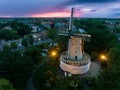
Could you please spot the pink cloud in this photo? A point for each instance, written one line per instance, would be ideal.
(52, 14)
(57, 13)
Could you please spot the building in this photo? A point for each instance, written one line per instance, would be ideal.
(75, 61)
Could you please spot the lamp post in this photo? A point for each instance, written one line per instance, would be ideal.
(53, 53)
(54, 57)
(103, 59)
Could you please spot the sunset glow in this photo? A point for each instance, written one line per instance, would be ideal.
(53, 14)
(56, 14)
(53, 8)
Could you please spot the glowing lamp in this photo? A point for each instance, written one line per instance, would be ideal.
(53, 53)
(103, 57)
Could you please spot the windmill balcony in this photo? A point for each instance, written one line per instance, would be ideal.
(75, 66)
(80, 62)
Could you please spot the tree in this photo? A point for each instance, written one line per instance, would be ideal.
(52, 34)
(35, 53)
(15, 68)
(24, 42)
(100, 35)
(30, 39)
(13, 45)
(90, 23)
(62, 43)
(8, 34)
(21, 70)
(116, 30)
(114, 56)
(45, 77)
(21, 28)
(6, 85)
(6, 48)
(109, 77)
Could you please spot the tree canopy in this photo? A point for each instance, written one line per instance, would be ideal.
(102, 39)
(11, 68)
(6, 85)
(8, 34)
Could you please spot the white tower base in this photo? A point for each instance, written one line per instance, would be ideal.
(75, 66)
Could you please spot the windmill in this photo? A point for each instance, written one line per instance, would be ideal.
(74, 60)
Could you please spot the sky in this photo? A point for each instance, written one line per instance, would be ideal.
(60, 8)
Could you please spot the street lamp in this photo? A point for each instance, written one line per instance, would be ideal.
(103, 59)
(53, 53)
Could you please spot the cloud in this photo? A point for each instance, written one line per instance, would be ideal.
(108, 9)
(90, 1)
(27, 7)
(84, 8)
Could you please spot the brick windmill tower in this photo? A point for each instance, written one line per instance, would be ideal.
(75, 61)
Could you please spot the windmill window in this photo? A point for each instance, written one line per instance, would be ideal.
(75, 51)
(72, 44)
(75, 57)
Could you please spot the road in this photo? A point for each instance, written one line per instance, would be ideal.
(30, 85)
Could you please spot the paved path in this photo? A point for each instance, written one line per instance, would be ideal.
(30, 85)
(94, 69)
